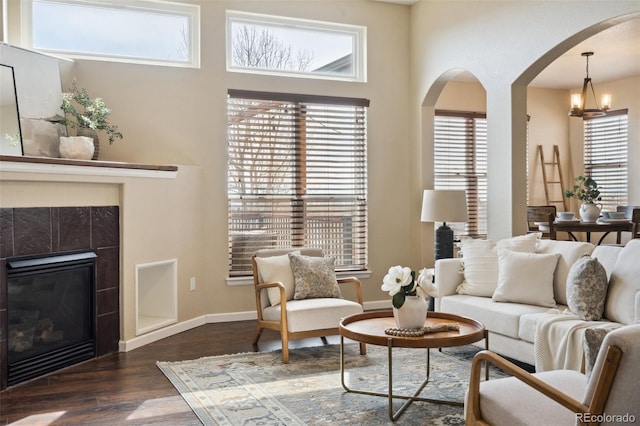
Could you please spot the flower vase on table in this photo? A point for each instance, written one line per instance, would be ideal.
(590, 212)
(408, 295)
(412, 313)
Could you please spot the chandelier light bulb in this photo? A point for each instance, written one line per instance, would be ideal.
(576, 100)
(606, 101)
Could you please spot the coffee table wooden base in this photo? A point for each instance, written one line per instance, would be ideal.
(476, 333)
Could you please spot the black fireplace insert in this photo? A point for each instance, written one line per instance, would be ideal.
(51, 312)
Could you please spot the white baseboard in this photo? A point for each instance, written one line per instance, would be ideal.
(170, 330)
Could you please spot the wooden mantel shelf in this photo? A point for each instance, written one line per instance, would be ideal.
(91, 163)
(10, 163)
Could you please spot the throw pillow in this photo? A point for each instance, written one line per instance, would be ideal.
(593, 338)
(274, 269)
(314, 277)
(522, 243)
(480, 266)
(480, 262)
(525, 278)
(587, 288)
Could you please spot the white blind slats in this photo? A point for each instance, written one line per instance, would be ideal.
(297, 177)
(460, 163)
(606, 156)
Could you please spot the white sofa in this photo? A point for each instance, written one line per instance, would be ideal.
(512, 326)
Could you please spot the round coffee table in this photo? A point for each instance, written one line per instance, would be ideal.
(369, 328)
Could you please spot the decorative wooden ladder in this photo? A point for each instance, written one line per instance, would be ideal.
(553, 187)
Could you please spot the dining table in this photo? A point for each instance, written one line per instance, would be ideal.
(601, 225)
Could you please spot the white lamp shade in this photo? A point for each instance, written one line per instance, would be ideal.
(444, 206)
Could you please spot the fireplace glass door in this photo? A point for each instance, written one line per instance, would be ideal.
(51, 313)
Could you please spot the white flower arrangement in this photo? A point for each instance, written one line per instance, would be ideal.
(401, 282)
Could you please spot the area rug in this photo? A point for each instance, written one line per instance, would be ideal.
(258, 389)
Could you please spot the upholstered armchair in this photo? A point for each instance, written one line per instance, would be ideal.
(561, 397)
(300, 297)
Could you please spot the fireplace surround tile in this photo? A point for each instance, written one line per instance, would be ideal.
(6, 232)
(32, 231)
(44, 230)
(74, 228)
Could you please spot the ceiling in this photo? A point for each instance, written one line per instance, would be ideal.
(616, 56)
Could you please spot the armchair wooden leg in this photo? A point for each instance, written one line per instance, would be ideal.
(285, 347)
(258, 334)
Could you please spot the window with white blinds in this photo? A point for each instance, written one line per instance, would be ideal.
(460, 162)
(297, 176)
(605, 156)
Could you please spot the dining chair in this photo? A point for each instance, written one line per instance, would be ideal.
(633, 214)
(540, 219)
(635, 220)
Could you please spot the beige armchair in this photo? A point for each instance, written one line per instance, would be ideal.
(297, 319)
(561, 397)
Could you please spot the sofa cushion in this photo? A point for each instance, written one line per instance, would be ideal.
(569, 251)
(313, 314)
(587, 288)
(527, 326)
(526, 278)
(607, 256)
(503, 318)
(480, 262)
(624, 285)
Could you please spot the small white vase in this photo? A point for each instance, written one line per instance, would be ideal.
(590, 212)
(412, 314)
(76, 147)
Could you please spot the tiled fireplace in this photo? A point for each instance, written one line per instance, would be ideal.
(42, 231)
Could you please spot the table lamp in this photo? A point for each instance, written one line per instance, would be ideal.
(444, 205)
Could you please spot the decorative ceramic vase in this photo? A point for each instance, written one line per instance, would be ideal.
(412, 313)
(90, 133)
(590, 212)
(76, 147)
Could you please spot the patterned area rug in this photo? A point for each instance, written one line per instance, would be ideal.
(258, 389)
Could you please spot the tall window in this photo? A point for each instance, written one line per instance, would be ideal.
(605, 156)
(460, 162)
(297, 176)
(141, 31)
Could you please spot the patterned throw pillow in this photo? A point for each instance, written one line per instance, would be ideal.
(314, 277)
(593, 338)
(587, 288)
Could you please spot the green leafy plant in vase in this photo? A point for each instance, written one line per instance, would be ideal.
(87, 115)
(586, 190)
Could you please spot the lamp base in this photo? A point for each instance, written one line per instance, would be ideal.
(444, 242)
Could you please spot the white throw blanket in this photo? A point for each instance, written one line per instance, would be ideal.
(558, 342)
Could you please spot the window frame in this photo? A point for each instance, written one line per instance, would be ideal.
(359, 44)
(476, 226)
(297, 212)
(188, 10)
(607, 141)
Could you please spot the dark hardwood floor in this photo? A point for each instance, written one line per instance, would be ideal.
(128, 388)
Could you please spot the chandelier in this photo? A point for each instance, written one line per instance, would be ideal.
(578, 101)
